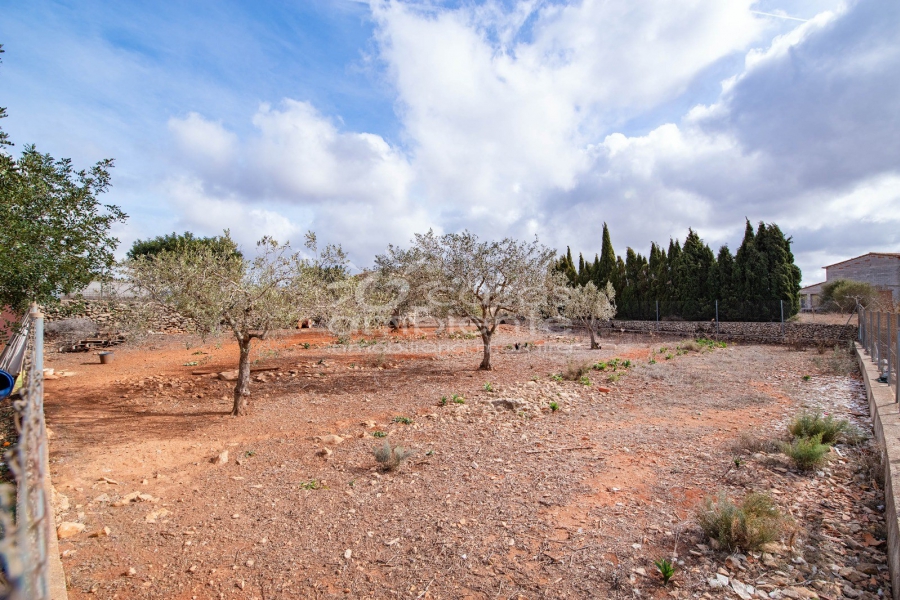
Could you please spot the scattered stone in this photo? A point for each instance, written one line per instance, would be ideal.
(154, 516)
(325, 452)
(348, 554)
(331, 439)
(228, 376)
(509, 403)
(67, 529)
(101, 533)
(221, 458)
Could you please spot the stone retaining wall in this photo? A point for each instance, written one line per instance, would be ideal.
(886, 425)
(766, 333)
(112, 316)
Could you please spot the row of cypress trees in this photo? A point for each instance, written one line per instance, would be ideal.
(686, 280)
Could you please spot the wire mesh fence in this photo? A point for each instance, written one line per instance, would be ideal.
(763, 311)
(25, 517)
(879, 334)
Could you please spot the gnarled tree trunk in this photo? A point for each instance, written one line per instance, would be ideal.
(589, 325)
(242, 387)
(486, 361)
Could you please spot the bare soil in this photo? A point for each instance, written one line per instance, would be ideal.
(495, 502)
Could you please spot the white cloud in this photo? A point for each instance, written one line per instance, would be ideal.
(512, 125)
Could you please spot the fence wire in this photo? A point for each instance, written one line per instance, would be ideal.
(879, 334)
(26, 522)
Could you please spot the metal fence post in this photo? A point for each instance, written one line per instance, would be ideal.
(657, 315)
(878, 344)
(887, 358)
(897, 387)
(717, 319)
(781, 305)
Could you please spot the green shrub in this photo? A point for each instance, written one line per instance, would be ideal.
(807, 425)
(755, 522)
(585, 380)
(806, 452)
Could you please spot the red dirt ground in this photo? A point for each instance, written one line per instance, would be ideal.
(525, 503)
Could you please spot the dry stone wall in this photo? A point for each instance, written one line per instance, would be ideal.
(113, 316)
(766, 333)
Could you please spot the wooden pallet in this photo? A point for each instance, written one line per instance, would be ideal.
(94, 343)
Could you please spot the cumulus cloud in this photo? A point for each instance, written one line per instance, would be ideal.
(352, 186)
(515, 121)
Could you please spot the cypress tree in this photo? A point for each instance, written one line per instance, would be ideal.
(751, 278)
(607, 269)
(694, 287)
(724, 283)
(657, 273)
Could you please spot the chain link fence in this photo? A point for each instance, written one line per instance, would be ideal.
(25, 513)
(879, 334)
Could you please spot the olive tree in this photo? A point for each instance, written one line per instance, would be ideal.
(250, 297)
(458, 275)
(587, 305)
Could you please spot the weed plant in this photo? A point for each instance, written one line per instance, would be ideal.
(554, 406)
(806, 452)
(574, 371)
(756, 521)
(402, 419)
(666, 569)
(389, 458)
(585, 380)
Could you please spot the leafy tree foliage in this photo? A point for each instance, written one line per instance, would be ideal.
(587, 306)
(458, 275)
(174, 242)
(250, 297)
(846, 295)
(54, 233)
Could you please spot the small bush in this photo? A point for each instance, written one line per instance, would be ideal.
(585, 380)
(613, 377)
(807, 425)
(574, 371)
(755, 522)
(389, 458)
(554, 406)
(691, 346)
(556, 377)
(806, 452)
(488, 387)
(751, 444)
(402, 419)
(837, 362)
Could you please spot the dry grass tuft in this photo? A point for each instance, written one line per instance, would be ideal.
(755, 522)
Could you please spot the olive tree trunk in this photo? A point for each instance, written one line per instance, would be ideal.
(486, 339)
(589, 325)
(242, 387)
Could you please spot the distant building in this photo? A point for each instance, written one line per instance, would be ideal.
(881, 269)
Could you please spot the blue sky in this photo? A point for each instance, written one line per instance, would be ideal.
(369, 121)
